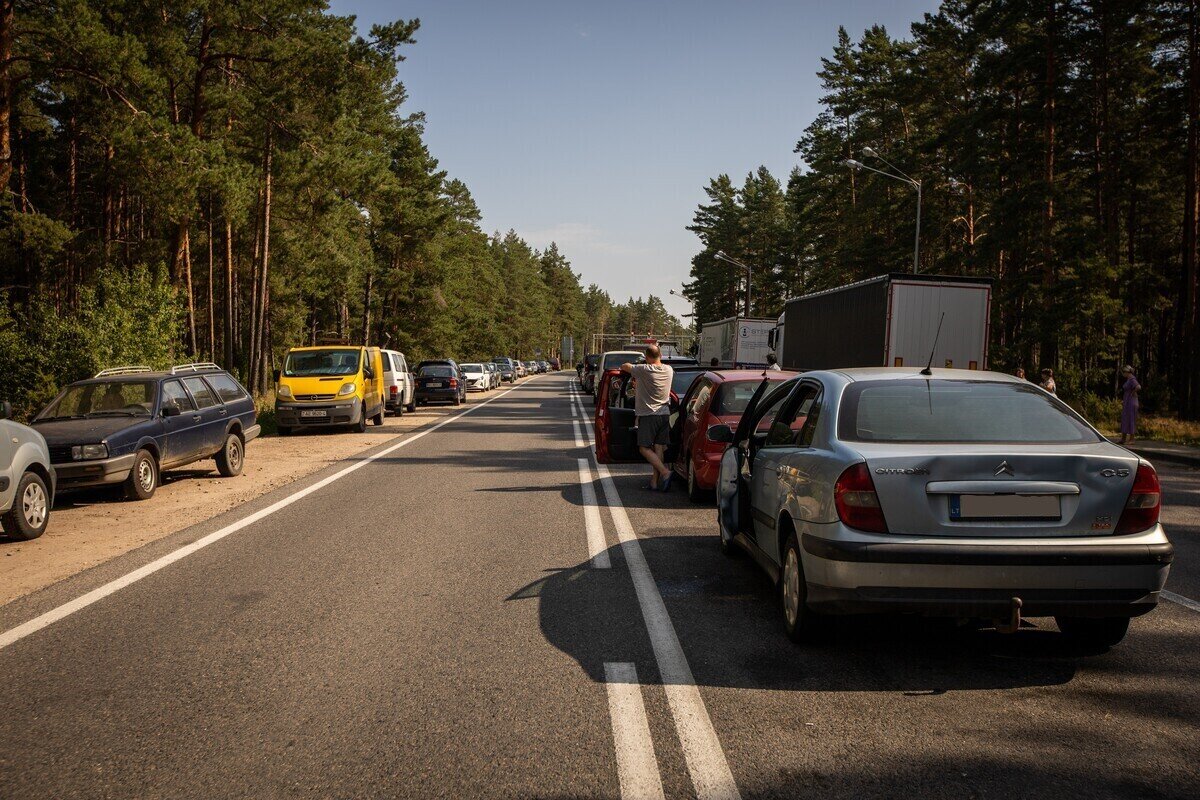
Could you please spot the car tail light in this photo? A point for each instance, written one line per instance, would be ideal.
(1142, 507)
(454, 383)
(856, 500)
(393, 389)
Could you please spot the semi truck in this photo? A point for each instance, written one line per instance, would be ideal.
(736, 342)
(888, 321)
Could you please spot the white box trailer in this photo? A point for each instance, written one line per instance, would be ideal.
(888, 321)
(736, 342)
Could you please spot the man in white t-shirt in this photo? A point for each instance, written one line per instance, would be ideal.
(652, 406)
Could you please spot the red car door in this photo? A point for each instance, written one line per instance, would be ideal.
(615, 422)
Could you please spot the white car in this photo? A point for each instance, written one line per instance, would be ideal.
(478, 378)
(26, 479)
(399, 386)
(493, 373)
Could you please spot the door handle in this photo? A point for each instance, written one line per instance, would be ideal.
(195, 417)
(224, 412)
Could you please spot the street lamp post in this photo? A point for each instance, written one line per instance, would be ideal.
(722, 257)
(689, 302)
(903, 178)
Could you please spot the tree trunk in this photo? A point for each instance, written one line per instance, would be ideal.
(1189, 319)
(230, 281)
(212, 322)
(257, 335)
(191, 298)
(7, 19)
(366, 326)
(1048, 351)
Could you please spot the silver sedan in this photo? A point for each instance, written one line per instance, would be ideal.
(952, 493)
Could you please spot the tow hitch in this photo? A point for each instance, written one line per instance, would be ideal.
(1014, 617)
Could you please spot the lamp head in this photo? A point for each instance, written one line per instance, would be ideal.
(868, 151)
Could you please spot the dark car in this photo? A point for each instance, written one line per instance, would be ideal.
(126, 425)
(555, 364)
(508, 370)
(440, 381)
(587, 378)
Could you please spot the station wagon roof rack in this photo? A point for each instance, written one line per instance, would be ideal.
(104, 373)
(199, 366)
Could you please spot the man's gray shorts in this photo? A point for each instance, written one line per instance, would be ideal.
(654, 429)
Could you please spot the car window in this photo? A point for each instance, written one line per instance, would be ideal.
(772, 403)
(796, 421)
(957, 411)
(226, 387)
(732, 398)
(615, 360)
(699, 396)
(201, 393)
(471, 367)
(682, 380)
(437, 371)
(176, 397)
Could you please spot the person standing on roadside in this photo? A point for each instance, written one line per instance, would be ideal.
(772, 363)
(1020, 373)
(1047, 381)
(714, 362)
(1129, 404)
(652, 407)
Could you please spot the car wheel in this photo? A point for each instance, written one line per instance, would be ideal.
(457, 400)
(799, 622)
(361, 425)
(30, 512)
(399, 409)
(412, 406)
(143, 478)
(378, 418)
(695, 493)
(229, 460)
(1091, 632)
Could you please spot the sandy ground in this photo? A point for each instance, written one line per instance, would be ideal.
(88, 528)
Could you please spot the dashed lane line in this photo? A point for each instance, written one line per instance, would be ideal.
(637, 766)
(597, 547)
(1186, 602)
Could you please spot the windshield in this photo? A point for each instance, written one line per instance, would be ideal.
(732, 398)
(111, 398)
(307, 363)
(615, 360)
(957, 411)
(437, 371)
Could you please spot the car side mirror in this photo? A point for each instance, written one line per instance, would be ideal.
(6, 410)
(722, 434)
(368, 373)
(170, 410)
(277, 374)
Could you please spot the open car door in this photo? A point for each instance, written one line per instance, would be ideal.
(616, 422)
(733, 483)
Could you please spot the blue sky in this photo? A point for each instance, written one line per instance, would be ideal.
(597, 124)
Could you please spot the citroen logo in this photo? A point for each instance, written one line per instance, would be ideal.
(1004, 469)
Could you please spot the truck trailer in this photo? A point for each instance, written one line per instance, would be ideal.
(888, 321)
(736, 342)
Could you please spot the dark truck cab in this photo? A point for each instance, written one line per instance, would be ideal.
(126, 425)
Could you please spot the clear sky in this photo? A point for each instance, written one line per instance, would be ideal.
(597, 124)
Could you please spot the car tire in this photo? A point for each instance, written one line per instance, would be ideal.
(143, 477)
(231, 457)
(377, 420)
(361, 425)
(695, 493)
(30, 512)
(412, 406)
(399, 410)
(457, 400)
(1094, 632)
(799, 621)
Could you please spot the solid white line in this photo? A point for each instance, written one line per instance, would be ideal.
(12, 635)
(706, 762)
(597, 546)
(578, 434)
(637, 767)
(1186, 602)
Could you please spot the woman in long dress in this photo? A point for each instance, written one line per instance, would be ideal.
(1129, 404)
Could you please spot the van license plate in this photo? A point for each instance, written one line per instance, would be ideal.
(314, 412)
(1005, 506)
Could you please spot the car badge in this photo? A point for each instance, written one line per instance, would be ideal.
(1004, 469)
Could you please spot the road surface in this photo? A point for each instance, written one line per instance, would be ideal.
(481, 610)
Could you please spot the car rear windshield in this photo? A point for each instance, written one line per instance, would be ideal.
(683, 379)
(732, 398)
(308, 363)
(591, 361)
(615, 360)
(957, 411)
(436, 371)
(109, 398)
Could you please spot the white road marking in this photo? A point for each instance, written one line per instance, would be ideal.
(1186, 602)
(637, 767)
(52, 616)
(578, 435)
(597, 546)
(701, 747)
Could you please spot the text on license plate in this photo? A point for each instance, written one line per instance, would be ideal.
(313, 412)
(434, 384)
(1005, 506)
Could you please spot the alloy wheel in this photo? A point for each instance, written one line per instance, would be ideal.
(33, 505)
(791, 587)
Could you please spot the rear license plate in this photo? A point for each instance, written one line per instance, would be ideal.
(314, 412)
(1005, 506)
(433, 385)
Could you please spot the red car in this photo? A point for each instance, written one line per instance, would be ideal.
(714, 398)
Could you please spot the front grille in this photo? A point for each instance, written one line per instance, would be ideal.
(60, 454)
(315, 397)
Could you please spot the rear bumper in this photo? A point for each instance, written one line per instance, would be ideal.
(865, 573)
(437, 395)
(100, 472)
(345, 413)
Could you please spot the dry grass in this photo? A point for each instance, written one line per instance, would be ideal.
(1162, 429)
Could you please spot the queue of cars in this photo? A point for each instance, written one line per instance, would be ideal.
(950, 493)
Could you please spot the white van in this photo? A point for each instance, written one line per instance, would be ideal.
(398, 383)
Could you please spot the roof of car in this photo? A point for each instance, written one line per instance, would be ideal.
(902, 373)
(729, 375)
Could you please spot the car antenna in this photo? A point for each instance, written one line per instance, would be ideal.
(929, 367)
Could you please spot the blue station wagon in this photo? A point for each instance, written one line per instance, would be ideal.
(126, 425)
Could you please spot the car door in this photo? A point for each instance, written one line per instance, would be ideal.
(8, 476)
(733, 488)
(212, 413)
(787, 433)
(183, 436)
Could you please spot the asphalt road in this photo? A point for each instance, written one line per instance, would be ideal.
(429, 621)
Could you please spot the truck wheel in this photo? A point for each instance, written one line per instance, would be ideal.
(30, 512)
(232, 455)
(143, 478)
(1102, 633)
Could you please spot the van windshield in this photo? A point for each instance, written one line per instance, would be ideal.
(309, 363)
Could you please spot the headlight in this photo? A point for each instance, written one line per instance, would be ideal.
(347, 388)
(84, 452)
(284, 390)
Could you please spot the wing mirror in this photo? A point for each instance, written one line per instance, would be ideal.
(170, 410)
(722, 434)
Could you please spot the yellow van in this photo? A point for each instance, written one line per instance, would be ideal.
(329, 385)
